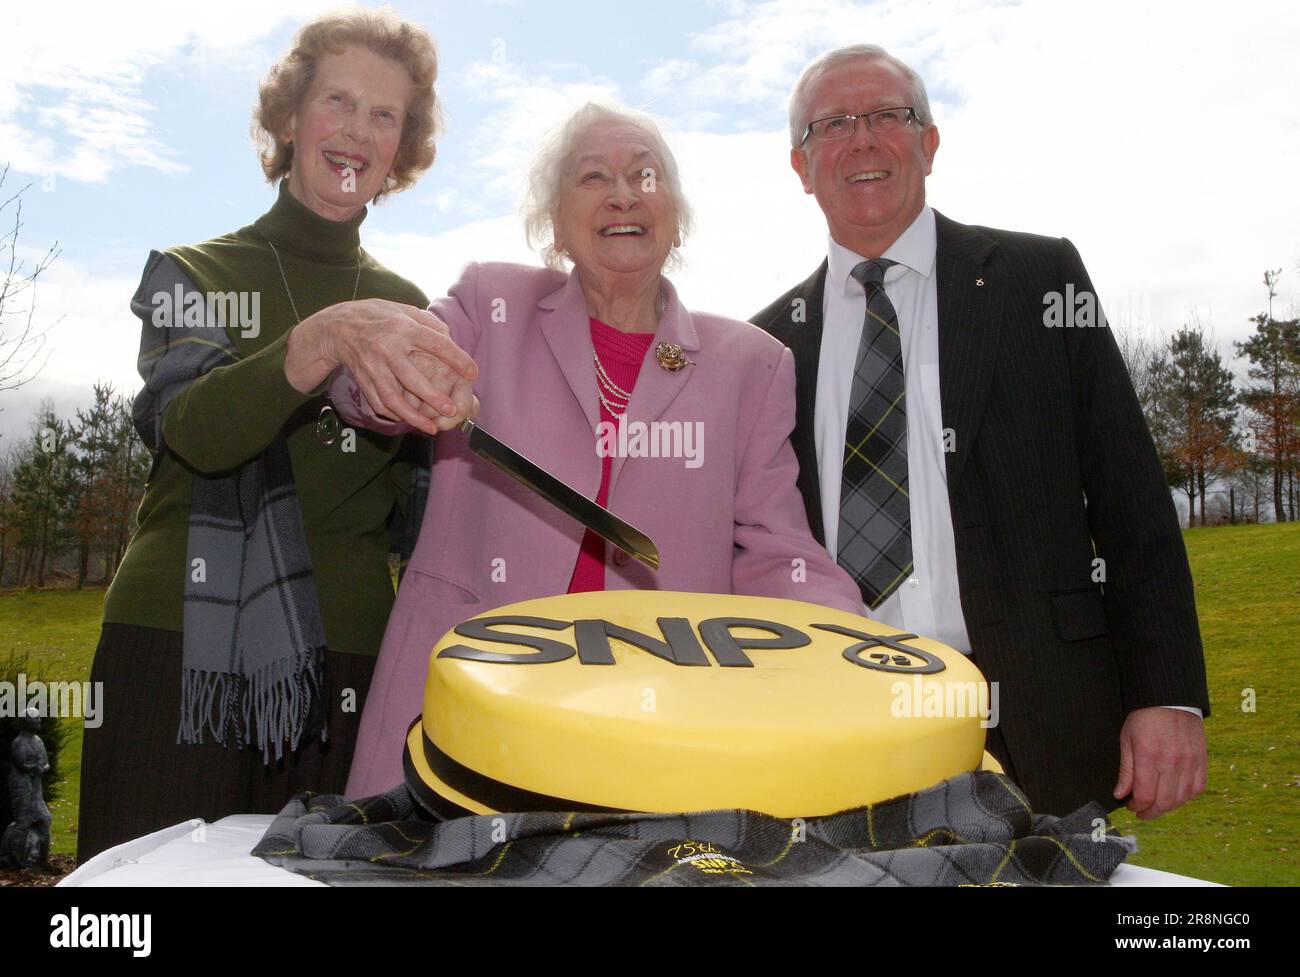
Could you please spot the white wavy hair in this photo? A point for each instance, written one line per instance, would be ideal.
(853, 52)
(546, 177)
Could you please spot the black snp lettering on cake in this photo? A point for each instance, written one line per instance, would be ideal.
(678, 643)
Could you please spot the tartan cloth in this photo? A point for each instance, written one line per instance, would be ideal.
(974, 829)
(254, 643)
(875, 534)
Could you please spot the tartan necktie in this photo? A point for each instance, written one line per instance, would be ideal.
(875, 540)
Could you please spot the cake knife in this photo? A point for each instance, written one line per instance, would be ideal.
(532, 476)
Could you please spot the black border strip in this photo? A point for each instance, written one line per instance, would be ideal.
(498, 796)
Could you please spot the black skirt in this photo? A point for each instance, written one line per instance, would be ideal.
(135, 777)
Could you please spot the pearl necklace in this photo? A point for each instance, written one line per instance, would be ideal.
(604, 385)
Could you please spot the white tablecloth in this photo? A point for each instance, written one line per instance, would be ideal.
(195, 853)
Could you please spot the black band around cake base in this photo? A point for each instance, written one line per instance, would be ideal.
(485, 790)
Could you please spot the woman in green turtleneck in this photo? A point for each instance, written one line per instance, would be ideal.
(245, 453)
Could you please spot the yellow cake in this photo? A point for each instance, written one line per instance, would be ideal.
(662, 701)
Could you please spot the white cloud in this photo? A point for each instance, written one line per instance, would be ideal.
(749, 238)
(72, 101)
(1160, 140)
(92, 336)
(669, 76)
(756, 233)
(435, 261)
(522, 105)
(1104, 127)
(754, 57)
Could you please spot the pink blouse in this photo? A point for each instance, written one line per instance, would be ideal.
(621, 355)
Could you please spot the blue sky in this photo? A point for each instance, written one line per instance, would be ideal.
(1161, 138)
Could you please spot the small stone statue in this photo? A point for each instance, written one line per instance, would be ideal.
(26, 841)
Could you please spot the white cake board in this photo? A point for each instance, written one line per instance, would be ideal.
(195, 853)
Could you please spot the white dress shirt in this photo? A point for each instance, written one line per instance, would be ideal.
(928, 603)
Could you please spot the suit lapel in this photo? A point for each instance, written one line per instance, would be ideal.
(796, 320)
(657, 387)
(567, 333)
(971, 302)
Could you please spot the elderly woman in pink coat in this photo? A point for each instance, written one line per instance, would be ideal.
(676, 421)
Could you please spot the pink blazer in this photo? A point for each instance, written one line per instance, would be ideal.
(729, 521)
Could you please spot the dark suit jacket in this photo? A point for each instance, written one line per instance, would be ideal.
(1053, 466)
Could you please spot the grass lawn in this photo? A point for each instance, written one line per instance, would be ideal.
(1245, 828)
(58, 631)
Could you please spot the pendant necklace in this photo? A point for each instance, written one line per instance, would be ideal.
(327, 424)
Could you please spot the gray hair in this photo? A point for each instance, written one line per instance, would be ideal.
(819, 65)
(546, 177)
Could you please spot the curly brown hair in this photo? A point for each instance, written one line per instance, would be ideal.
(385, 34)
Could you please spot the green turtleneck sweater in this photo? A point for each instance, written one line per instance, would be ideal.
(229, 416)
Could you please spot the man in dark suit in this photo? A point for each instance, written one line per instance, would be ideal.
(972, 451)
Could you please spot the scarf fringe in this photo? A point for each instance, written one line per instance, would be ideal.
(278, 704)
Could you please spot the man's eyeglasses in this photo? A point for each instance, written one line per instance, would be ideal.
(843, 126)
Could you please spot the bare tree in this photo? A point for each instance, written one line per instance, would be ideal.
(1141, 357)
(20, 341)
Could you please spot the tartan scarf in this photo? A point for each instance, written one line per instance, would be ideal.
(254, 644)
(973, 829)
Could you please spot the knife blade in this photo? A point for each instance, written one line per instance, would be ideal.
(532, 476)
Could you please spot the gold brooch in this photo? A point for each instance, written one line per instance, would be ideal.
(670, 357)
